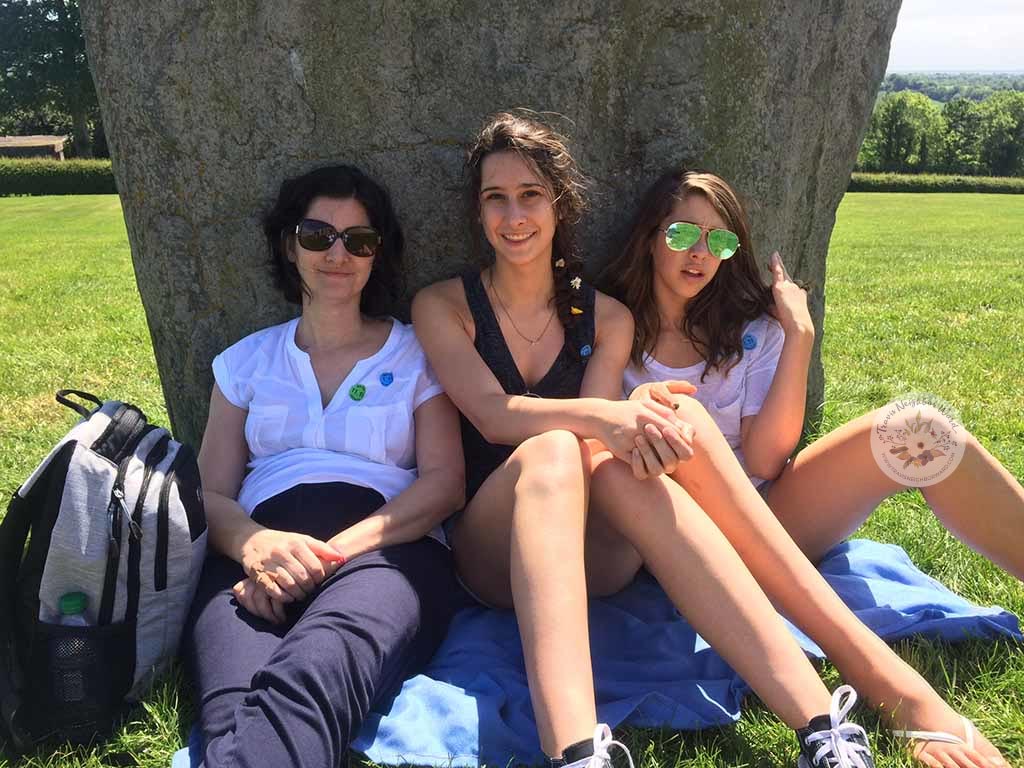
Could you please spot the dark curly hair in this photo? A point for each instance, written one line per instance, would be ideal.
(715, 317)
(547, 152)
(384, 287)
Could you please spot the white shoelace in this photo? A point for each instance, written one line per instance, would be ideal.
(835, 741)
(602, 741)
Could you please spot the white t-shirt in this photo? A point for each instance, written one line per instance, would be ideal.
(730, 398)
(365, 435)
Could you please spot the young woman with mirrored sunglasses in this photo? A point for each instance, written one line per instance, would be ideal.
(709, 320)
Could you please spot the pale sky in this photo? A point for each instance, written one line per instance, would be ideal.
(958, 35)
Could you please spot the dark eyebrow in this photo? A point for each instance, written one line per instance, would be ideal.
(524, 184)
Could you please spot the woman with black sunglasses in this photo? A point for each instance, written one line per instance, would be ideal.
(704, 315)
(329, 459)
(534, 357)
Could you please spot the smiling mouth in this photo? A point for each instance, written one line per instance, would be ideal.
(517, 237)
(693, 273)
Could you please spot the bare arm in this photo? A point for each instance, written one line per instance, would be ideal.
(222, 459)
(770, 436)
(613, 340)
(511, 419)
(292, 561)
(437, 492)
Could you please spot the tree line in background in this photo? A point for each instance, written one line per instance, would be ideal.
(45, 85)
(910, 133)
(946, 86)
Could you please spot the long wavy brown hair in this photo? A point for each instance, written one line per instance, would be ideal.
(547, 152)
(715, 317)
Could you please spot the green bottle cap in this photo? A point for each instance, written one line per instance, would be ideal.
(73, 602)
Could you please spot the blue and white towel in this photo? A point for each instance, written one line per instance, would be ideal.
(471, 705)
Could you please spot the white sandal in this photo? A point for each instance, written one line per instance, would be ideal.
(942, 736)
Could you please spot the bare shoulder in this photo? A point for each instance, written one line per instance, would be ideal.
(443, 296)
(441, 293)
(612, 316)
(443, 300)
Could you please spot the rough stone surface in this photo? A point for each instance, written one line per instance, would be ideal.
(208, 106)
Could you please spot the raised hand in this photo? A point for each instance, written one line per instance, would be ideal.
(790, 300)
(289, 566)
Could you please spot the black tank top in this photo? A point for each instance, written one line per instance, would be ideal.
(563, 379)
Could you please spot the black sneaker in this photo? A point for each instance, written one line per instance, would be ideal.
(596, 752)
(830, 741)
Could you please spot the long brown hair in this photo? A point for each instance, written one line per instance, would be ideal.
(715, 317)
(547, 152)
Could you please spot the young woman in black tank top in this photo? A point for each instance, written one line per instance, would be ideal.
(534, 358)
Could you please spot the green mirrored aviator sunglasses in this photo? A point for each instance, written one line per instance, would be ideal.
(680, 235)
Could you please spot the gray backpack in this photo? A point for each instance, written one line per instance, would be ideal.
(100, 554)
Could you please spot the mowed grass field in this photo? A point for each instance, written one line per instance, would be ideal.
(924, 294)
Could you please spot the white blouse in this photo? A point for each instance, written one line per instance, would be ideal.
(730, 398)
(364, 436)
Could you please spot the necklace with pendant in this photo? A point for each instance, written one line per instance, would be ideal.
(508, 314)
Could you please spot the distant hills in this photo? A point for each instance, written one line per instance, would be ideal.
(946, 86)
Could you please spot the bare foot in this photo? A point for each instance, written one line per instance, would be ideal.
(956, 742)
(942, 755)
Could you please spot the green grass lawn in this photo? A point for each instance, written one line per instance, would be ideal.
(924, 294)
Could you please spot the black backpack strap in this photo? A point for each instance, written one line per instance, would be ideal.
(63, 399)
(13, 534)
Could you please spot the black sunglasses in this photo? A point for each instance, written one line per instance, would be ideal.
(315, 235)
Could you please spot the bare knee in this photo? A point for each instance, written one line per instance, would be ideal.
(970, 448)
(866, 424)
(970, 442)
(555, 460)
(691, 411)
(689, 407)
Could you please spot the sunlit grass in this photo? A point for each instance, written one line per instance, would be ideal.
(924, 293)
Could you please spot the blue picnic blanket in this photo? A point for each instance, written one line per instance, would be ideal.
(472, 705)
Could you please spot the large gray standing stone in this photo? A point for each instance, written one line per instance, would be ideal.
(208, 106)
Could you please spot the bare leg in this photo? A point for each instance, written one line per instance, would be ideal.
(715, 480)
(710, 585)
(981, 503)
(519, 543)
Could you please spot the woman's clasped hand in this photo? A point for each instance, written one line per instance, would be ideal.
(282, 567)
(650, 458)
